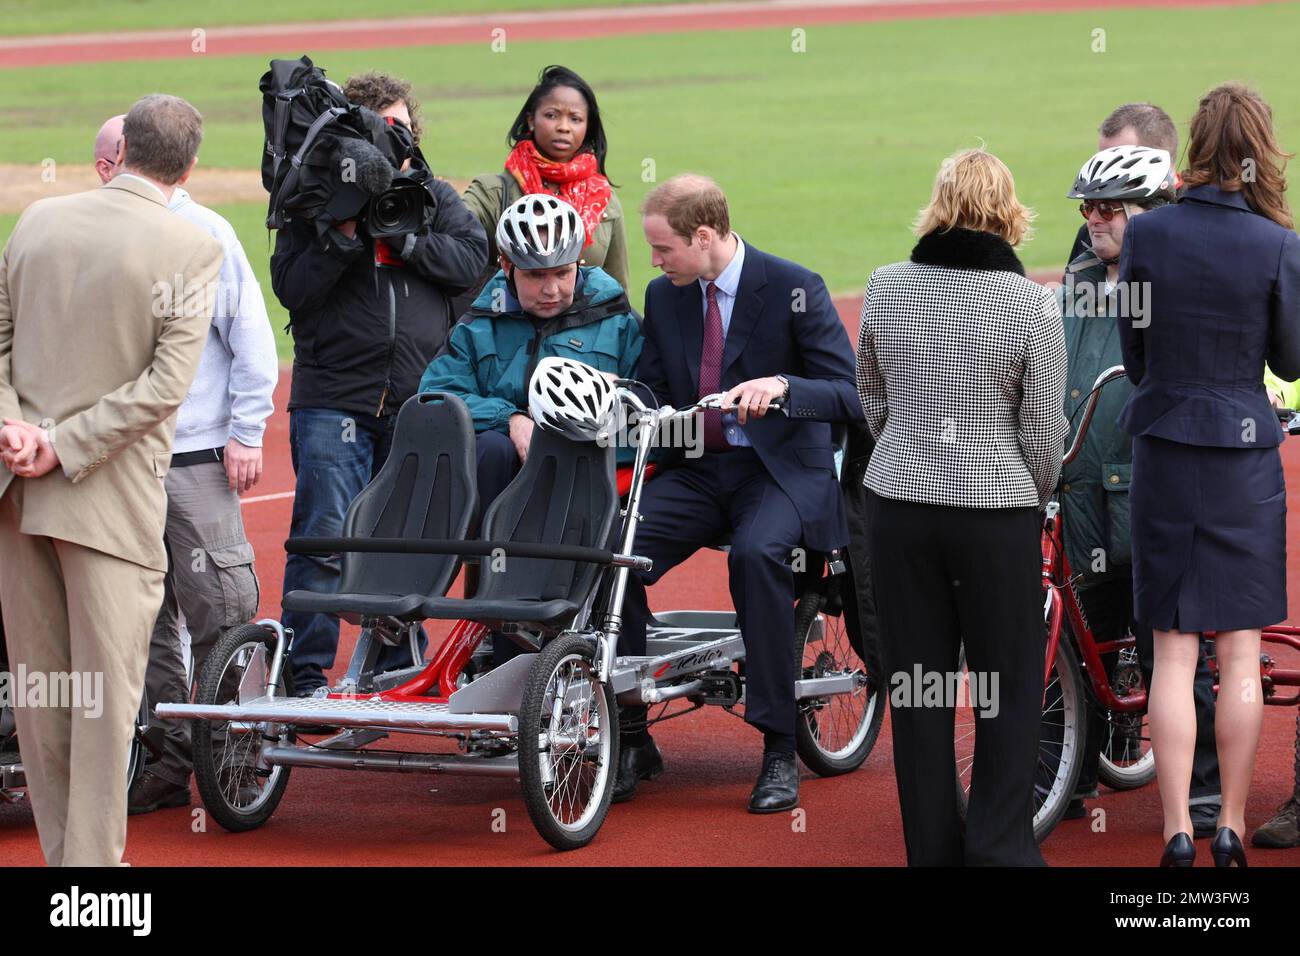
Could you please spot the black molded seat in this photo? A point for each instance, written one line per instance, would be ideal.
(565, 493)
(426, 489)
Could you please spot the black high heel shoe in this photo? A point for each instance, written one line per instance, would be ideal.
(1179, 851)
(1227, 849)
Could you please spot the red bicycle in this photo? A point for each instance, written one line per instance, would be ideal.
(1077, 676)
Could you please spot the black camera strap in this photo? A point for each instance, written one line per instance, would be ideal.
(275, 219)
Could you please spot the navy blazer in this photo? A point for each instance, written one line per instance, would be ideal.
(782, 323)
(1224, 297)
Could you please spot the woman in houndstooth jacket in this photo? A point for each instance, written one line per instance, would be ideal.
(961, 370)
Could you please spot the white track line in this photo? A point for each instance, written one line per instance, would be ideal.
(255, 499)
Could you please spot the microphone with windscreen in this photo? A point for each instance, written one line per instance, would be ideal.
(364, 173)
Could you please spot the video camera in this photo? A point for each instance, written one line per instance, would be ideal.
(331, 161)
(372, 187)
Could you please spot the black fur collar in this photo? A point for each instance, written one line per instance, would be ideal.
(967, 249)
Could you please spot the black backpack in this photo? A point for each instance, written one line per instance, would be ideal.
(305, 115)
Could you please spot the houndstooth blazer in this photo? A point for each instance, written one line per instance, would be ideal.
(961, 370)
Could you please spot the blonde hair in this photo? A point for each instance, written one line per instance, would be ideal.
(975, 190)
(689, 201)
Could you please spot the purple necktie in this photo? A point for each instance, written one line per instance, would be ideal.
(711, 370)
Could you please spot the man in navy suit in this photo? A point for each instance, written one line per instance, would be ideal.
(726, 316)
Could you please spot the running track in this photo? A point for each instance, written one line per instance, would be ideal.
(694, 814)
(286, 39)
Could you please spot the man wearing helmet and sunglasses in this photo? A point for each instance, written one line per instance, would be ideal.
(1117, 183)
(541, 303)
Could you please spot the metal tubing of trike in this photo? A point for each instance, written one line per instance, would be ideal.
(277, 657)
(391, 762)
(614, 618)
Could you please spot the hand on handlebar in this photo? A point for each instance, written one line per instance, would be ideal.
(754, 397)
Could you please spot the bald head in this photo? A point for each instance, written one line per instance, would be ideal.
(107, 145)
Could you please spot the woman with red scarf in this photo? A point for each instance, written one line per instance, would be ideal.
(558, 147)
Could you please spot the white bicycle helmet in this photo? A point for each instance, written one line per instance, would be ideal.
(1137, 174)
(570, 399)
(540, 231)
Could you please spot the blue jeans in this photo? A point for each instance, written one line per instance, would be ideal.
(334, 457)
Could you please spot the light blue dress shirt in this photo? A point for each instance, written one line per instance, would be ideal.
(726, 285)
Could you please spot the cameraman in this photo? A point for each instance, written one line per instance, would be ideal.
(366, 316)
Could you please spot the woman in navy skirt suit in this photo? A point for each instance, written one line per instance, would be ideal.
(1213, 287)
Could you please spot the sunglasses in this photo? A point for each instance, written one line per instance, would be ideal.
(1106, 210)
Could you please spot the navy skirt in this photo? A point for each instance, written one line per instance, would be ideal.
(1209, 536)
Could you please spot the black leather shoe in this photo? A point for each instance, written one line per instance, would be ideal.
(1205, 819)
(1227, 849)
(1180, 851)
(634, 765)
(1076, 809)
(778, 784)
(152, 792)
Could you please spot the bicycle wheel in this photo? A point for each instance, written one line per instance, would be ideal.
(1127, 760)
(568, 743)
(135, 754)
(238, 790)
(1060, 746)
(833, 734)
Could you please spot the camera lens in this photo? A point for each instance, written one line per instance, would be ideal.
(388, 210)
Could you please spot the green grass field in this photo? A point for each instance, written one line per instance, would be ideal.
(825, 155)
(28, 17)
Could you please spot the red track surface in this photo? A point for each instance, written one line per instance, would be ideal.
(292, 39)
(693, 815)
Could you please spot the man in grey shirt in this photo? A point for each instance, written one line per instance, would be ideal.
(217, 455)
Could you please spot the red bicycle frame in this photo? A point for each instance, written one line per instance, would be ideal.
(1059, 590)
(1057, 583)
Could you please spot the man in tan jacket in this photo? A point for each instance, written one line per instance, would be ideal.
(105, 302)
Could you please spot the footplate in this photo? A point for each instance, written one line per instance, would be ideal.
(343, 712)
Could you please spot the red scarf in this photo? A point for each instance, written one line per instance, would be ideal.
(581, 184)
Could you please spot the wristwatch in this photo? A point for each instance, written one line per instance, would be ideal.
(785, 396)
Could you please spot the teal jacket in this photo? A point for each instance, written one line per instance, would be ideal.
(1094, 487)
(491, 353)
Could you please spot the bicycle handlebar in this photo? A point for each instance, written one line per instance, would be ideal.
(1089, 407)
(667, 412)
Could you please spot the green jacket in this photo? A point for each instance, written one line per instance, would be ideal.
(608, 249)
(490, 354)
(1094, 487)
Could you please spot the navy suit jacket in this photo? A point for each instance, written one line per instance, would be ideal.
(782, 323)
(1224, 297)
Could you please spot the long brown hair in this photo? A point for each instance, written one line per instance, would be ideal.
(1232, 145)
